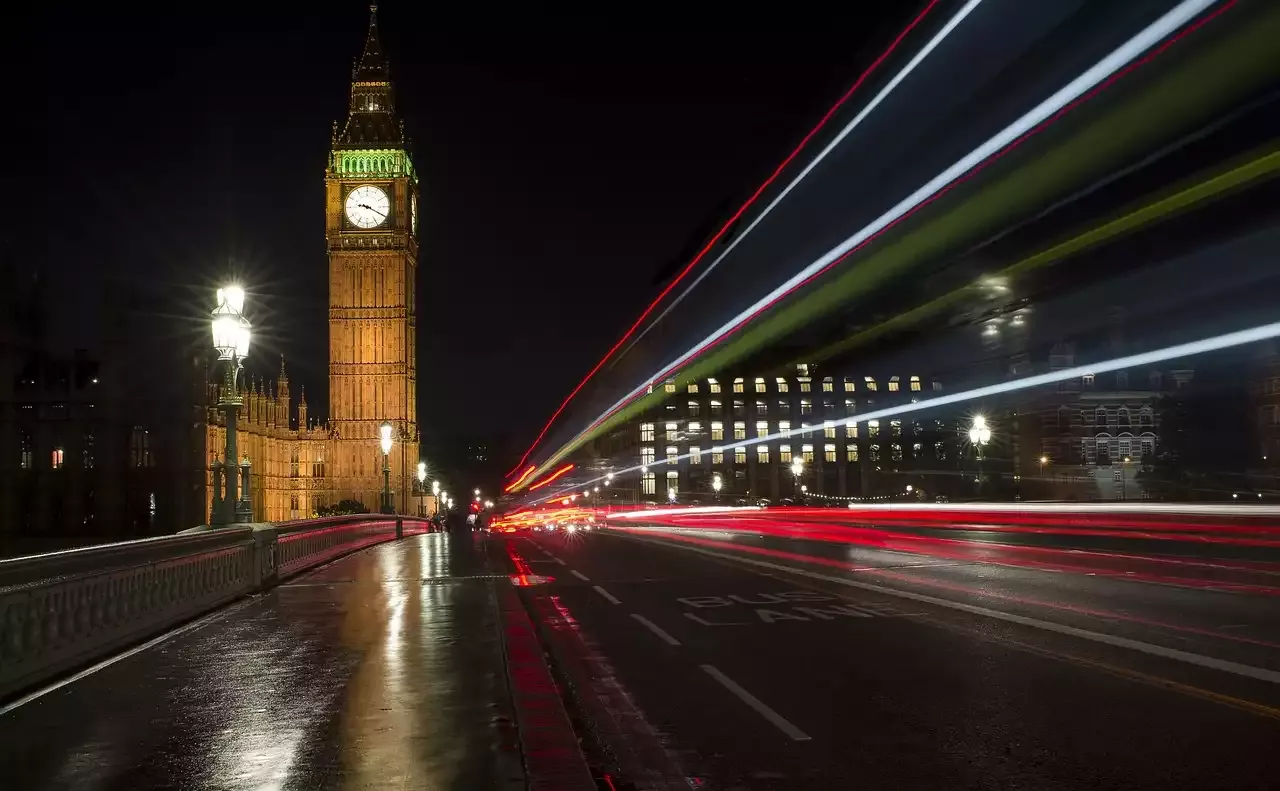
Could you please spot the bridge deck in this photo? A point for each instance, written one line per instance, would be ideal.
(382, 670)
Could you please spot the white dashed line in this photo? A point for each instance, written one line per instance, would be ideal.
(751, 700)
(556, 559)
(606, 594)
(580, 575)
(658, 630)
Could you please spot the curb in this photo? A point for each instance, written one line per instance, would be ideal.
(552, 754)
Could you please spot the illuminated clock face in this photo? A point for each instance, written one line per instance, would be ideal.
(413, 213)
(367, 206)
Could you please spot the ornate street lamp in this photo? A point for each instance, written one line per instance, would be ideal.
(717, 483)
(385, 440)
(979, 436)
(231, 334)
(797, 469)
(422, 479)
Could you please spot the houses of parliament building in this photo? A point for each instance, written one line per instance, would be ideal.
(371, 233)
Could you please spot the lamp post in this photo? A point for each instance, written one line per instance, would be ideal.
(385, 441)
(979, 436)
(422, 479)
(717, 483)
(435, 492)
(797, 469)
(231, 333)
(1124, 474)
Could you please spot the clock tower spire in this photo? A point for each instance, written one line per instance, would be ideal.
(371, 218)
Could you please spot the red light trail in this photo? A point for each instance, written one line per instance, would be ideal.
(724, 228)
(557, 474)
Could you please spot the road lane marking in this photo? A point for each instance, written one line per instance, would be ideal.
(746, 697)
(606, 594)
(658, 630)
(580, 575)
(556, 559)
(1223, 665)
(705, 622)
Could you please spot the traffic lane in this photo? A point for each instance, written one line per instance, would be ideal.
(1233, 625)
(861, 679)
(382, 669)
(1252, 574)
(703, 728)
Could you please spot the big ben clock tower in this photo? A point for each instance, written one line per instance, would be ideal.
(371, 227)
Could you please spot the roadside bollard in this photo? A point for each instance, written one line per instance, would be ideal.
(399, 527)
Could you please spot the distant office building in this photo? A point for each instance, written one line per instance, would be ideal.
(682, 443)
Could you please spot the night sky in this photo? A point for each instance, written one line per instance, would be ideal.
(562, 172)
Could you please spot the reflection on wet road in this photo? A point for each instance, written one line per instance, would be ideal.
(381, 670)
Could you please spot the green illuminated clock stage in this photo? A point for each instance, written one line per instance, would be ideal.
(367, 206)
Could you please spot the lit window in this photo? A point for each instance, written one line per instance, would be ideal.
(1088, 380)
(739, 407)
(784, 426)
(693, 388)
(828, 385)
(695, 455)
(647, 483)
(849, 386)
(895, 452)
(669, 387)
(694, 427)
(713, 385)
(850, 406)
(895, 428)
(716, 408)
(693, 408)
(806, 406)
(829, 430)
(762, 428)
(739, 455)
(806, 453)
(646, 432)
(802, 369)
(873, 428)
(760, 387)
(829, 453)
(58, 458)
(871, 383)
(782, 385)
(851, 430)
(915, 384)
(673, 481)
(784, 407)
(673, 454)
(646, 456)
(739, 430)
(851, 453)
(784, 454)
(762, 454)
(673, 429)
(893, 384)
(717, 455)
(875, 452)
(805, 386)
(738, 385)
(717, 432)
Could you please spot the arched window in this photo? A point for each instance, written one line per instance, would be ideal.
(1100, 416)
(1122, 415)
(1145, 417)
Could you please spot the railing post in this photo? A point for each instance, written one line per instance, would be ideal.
(266, 559)
(399, 527)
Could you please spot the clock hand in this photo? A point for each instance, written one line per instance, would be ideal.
(370, 208)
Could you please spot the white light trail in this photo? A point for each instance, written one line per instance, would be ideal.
(924, 52)
(699, 509)
(1153, 34)
(1191, 348)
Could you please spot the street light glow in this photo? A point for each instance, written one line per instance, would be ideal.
(385, 441)
(979, 433)
(797, 466)
(422, 472)
(717, 482)
(435, 488)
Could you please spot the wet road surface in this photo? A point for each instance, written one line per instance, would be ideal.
(747, 661)
(382, 670)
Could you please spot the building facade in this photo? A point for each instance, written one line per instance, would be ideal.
(681, 444)
(371, 230)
